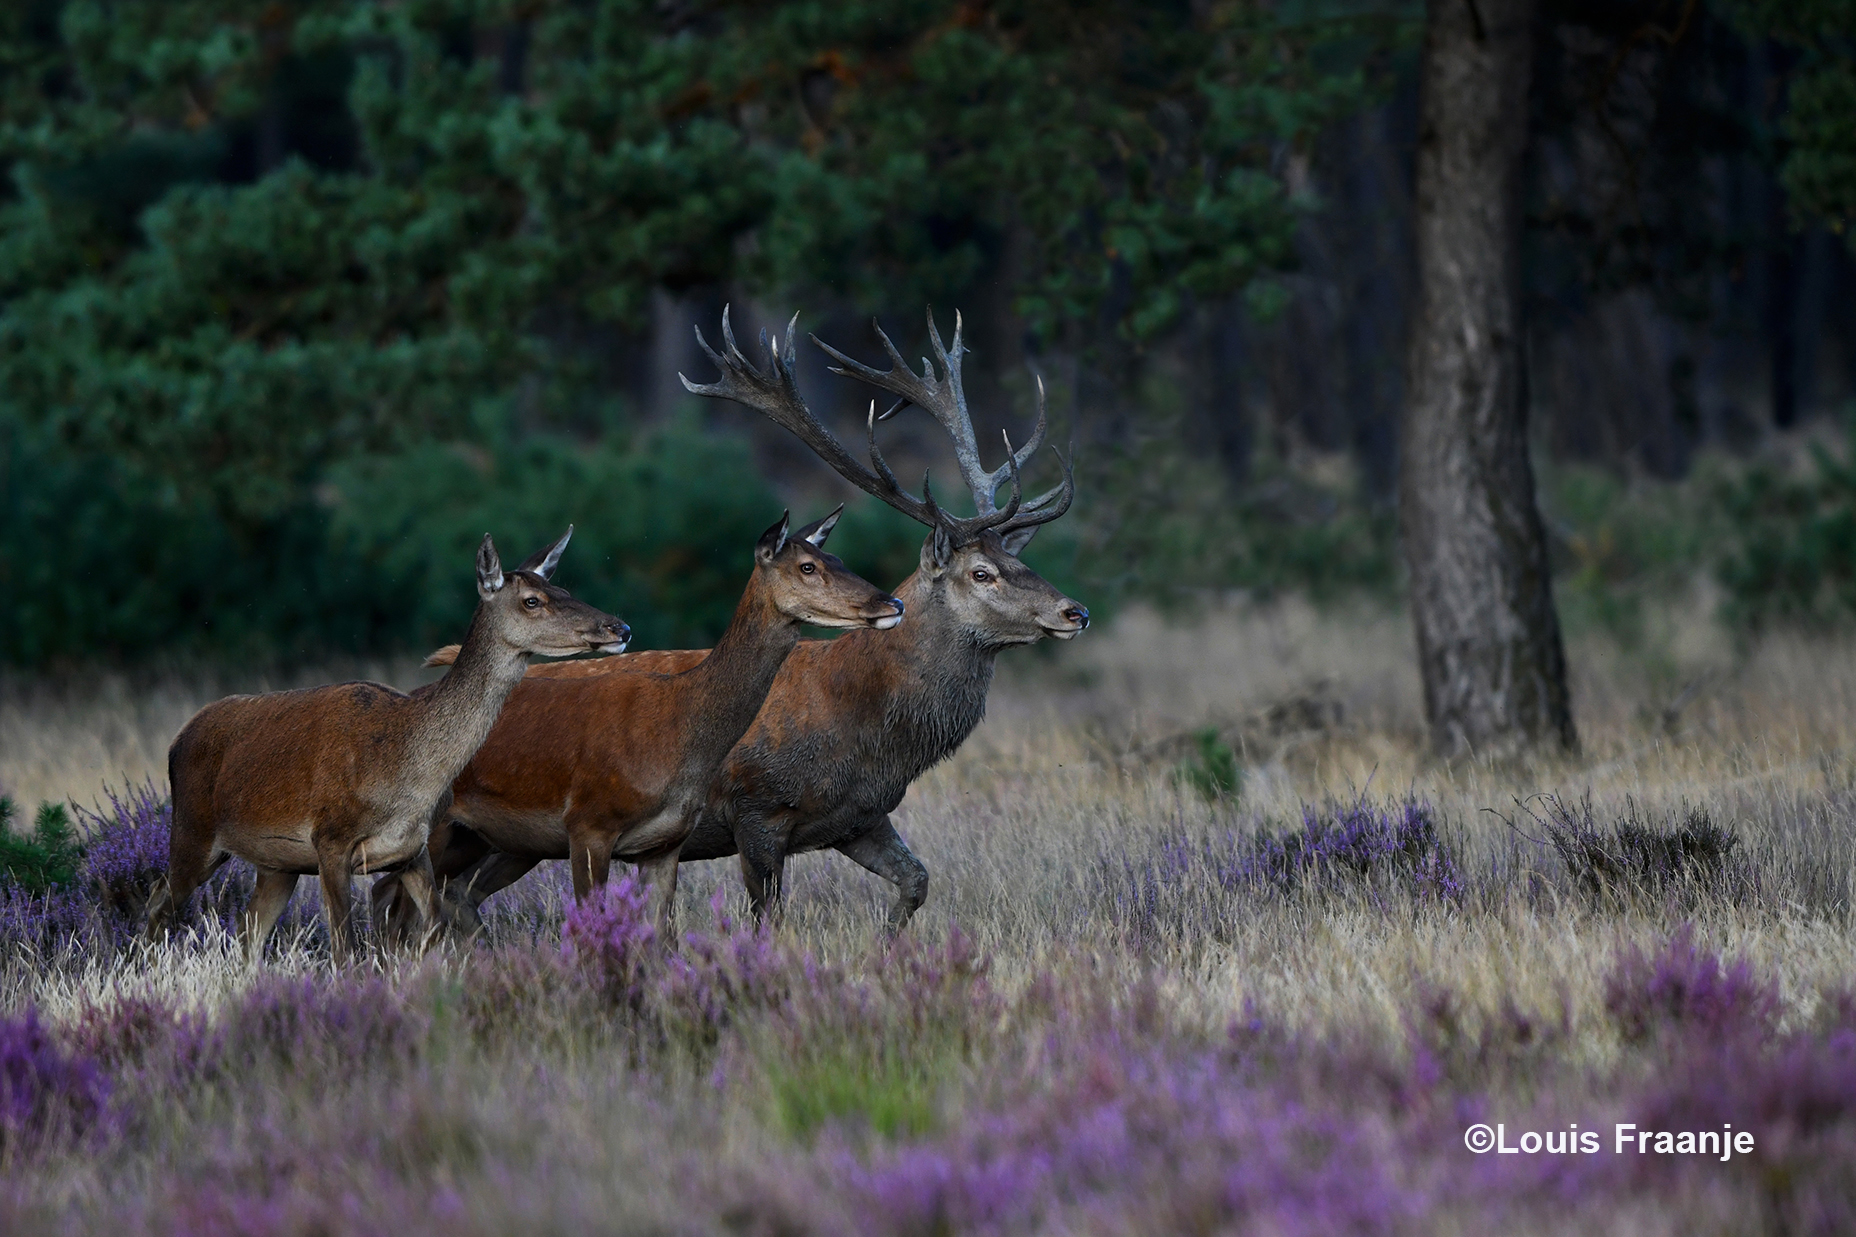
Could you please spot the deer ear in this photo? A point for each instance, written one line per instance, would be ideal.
(543, 562)
(1018, 539)
(489, 569)
(773, 540)
(814, 534)
(937, 551)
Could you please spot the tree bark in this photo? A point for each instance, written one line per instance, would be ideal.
(1489, 646)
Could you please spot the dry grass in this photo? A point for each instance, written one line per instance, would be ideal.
(1076, 762)
(1030, 835)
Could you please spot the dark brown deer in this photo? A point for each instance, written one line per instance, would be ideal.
(851, 722)
(587, 767)
(348, 778)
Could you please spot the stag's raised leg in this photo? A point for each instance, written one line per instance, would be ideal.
(882, 850)
(467, 891)
(763, 864)
(268, 901)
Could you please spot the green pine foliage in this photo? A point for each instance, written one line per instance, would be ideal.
(44, 859)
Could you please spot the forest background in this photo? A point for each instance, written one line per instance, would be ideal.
(299, 299)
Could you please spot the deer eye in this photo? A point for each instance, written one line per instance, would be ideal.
(981, 575)
(808, 568)
(532, 602)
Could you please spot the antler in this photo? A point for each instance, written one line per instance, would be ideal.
(944, 398)
(774, 393)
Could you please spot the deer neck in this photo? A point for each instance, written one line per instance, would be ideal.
(948, 672)
(463, 707)
(726, 690)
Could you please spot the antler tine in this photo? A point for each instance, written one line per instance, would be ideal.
(775, 395)
(938, 393)
(1050, 505)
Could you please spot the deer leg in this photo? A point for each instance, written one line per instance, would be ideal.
(188, 869)
(591, 856)
(763, 867)
(337, 897)
(466, 892)
(417, 887)
(658, 872)
(882, 850)
(268, 901)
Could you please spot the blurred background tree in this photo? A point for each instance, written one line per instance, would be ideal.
(297, 298)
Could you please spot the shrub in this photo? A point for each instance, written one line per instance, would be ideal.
(1686, 989)
(1632, 857)
(44, 860)
(1790, 550)
(1342, 848)
(44, 1090)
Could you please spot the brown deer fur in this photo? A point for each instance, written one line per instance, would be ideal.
(347, 778)
(589, 766)
(850, 723)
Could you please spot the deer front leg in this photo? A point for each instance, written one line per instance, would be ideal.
(268, 901)
(467, 891)
(762, 839)
(882, 850)
(337, 896)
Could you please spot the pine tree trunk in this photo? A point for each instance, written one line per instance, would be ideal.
(1482, 601)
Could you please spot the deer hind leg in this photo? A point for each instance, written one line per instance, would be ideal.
(267, 907)
(590, 855)
(417, 888)
(658, 873)
(882, 850)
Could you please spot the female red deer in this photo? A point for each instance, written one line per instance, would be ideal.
(850, 723)
(348, 778)
(587, 768)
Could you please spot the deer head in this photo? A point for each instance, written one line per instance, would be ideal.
(531, 615)
(970, 564)
(809, 585)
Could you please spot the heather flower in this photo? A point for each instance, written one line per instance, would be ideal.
(1687, 988)
(1343, 847)
(611, 936)
(44, 1089)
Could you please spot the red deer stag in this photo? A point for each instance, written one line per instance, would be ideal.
(348, 778)
(851, 722)
(588, 767)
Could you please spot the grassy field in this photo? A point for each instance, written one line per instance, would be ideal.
(1210, 946)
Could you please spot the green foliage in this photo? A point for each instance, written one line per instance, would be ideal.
(260, 258)
(100, 559)
(46, 858)
(664, 527)
(1790, 556)
(1213, 771)
(1170, 527)
(235, 327)
(889, 1092)
(1818, 165)
(1619, 541)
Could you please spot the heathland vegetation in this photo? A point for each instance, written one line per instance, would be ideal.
(1243, 912)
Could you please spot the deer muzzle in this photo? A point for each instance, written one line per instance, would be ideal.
(887, 621)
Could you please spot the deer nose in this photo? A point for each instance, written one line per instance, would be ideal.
(896, 602)
(621, 632)
(1077, 614)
